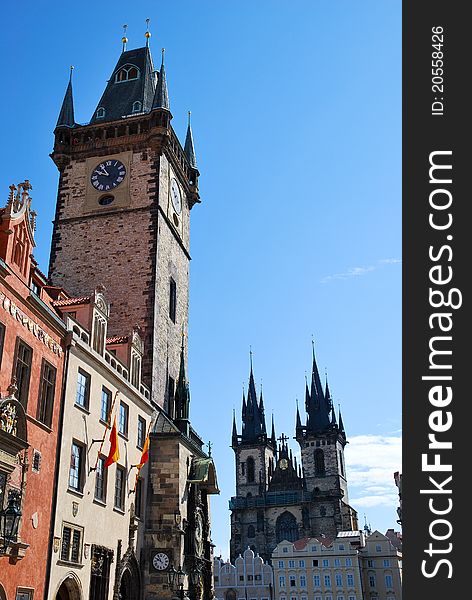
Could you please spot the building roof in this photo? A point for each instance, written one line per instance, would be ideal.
(119, 97)
(71, 301)
(66, 114)
(118, 339)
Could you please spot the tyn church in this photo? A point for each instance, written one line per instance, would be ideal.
(278, 499)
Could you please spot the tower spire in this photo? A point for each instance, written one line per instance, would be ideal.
(182, 394)
(272, 434)
(318, 404)
(66, 115)
(299, 421)
(147, 35)
(341, 424)
(189, 149)
(161, 97)
(124, 39)
(234, 436)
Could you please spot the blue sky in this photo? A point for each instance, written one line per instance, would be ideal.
(296, 112)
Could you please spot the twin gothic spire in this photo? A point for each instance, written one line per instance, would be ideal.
(321, 416)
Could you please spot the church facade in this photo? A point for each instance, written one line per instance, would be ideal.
(278, 499)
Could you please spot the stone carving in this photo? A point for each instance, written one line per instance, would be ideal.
(8, 418)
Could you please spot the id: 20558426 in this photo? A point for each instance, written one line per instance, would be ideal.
(437, 70)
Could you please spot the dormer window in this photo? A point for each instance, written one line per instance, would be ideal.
(100, 112)
(126, 73)
(136, 106)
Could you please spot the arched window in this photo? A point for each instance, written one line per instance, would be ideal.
(250, 470)
(251, 532)
(319, 463)
(100, 112)
(286, 528)
(136, 106)
(126, 73)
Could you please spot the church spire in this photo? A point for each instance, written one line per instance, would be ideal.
(254, 426)
(317, 402)
(299, 421)
(189, 147)
(161, 97)
(182, 394)
(66, 115)
(234, 436)
(341, 425)
(272, 434)
(262, 414)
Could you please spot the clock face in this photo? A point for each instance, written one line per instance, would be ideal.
(160, 561)
(108, 175)
(283, 463)
(176, 196)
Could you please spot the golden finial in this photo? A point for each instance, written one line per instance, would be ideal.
(147, 35)
(124, 39)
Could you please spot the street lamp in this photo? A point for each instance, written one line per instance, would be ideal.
(10, 518)
(176, 581)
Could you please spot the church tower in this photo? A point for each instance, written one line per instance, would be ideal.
(322, 441)
(278, 499)
(255, 454)
(126, 189)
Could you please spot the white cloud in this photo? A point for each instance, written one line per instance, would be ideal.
(371, 461)
(387, 500)
(358, 271)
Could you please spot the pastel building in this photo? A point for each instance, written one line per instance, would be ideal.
(250, 578)
(318, 568)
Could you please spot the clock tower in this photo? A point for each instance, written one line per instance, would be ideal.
(126, 189)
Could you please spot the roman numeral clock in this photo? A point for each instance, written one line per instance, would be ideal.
(107, 182)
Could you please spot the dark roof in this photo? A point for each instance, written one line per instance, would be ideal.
(66, 116)
(161, 97)
(189, 148)
(118, 98)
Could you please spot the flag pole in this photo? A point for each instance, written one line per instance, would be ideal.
(107, 427)
(140, 466)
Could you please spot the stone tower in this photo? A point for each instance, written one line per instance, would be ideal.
(322, 441)
(126, 189)
(278, 499)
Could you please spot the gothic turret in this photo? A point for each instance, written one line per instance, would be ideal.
(189, 147)
(234, 436)
(318, 405)
(254, 427)
(182, 397)
(66, 115)
(161, 97)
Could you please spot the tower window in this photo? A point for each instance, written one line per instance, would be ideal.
(319, 463)
(250, 470)
(126, 73)
(137, 106)
(100, 112)
(286, 528)
(172, 299)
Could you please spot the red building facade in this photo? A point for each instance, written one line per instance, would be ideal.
(32, 350)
